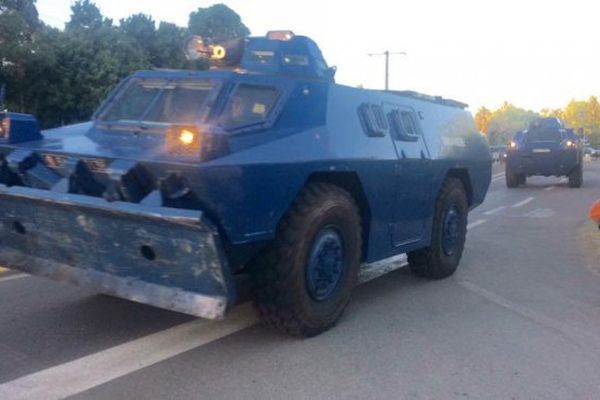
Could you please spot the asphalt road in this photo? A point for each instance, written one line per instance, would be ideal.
(519, 320)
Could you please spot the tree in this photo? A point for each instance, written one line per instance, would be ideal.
(86, 15)
(92, 63)
(576, 115)
(166, 50)
(218, 22)
(482, 119)
(24, 8)
(18, 24)
(554, 112)
(508, 120)
(139, 27)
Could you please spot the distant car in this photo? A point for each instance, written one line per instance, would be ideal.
(592, 152)
(502, 156)
(497, 152)
(546, 148)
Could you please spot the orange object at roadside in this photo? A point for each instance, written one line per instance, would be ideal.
(595, 212)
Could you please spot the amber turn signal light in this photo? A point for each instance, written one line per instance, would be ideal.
(183, 140)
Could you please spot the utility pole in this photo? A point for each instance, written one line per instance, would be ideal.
(387, 55)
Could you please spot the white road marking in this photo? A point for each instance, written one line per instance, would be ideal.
(476, 223)
(541, 213)
(494, 211)
(13, 277)
(578, 337)
(524, 202)
(550, 188)
(500, 175)
(497, 179)
(96, 369)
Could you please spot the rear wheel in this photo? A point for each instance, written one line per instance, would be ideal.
(449, 231)
(303, 281)
(576, 177)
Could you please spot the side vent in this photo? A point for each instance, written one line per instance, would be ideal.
(373, 120)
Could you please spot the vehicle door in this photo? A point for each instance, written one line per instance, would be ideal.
(413, 175)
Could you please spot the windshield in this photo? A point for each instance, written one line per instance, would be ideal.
(159, 101)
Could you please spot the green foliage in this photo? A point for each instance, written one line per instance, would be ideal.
(61, 76)
(508, 120)
(218, 22)
(166, 50)
(24, 8)
(86, 16)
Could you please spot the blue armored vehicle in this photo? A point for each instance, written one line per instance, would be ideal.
(185, 183)
(546, 148)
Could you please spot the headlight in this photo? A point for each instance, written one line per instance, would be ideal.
(512, 144)
(570, 144)
(184, 140)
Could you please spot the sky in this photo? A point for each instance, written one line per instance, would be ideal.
(534, 54)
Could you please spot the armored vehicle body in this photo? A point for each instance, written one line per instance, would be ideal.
(546, 148)
(184, 181)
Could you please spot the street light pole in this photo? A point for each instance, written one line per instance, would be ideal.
(387, 55)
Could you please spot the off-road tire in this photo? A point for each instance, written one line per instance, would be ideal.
(279, 274)
(432, 262)
(512, 179)
(576, 177)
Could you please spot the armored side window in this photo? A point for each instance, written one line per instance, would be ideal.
(373, 119)
(262, 57)
(404, 125)
(409, 123)
(296, 59)
(249, 104)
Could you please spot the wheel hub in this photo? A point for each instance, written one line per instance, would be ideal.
(325, 264)
(451, 231)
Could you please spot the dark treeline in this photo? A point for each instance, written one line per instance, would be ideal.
(62, 75)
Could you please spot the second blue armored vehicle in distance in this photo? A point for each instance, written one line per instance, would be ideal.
(186, 181)
(546, 148)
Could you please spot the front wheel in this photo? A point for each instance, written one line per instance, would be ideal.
(303, 281)
(449, 232)
(512, 179)
(576, 177)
